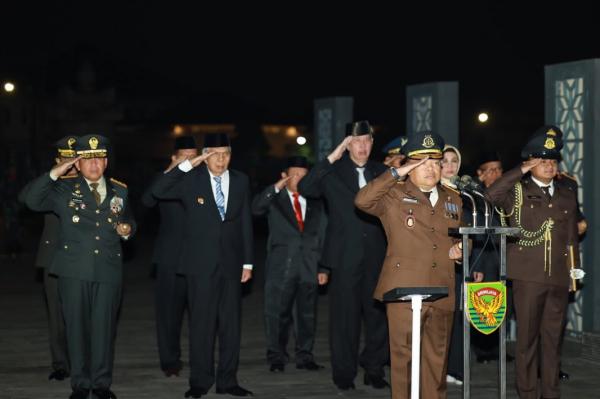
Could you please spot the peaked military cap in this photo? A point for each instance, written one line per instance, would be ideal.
(66, 147)
(92, 146)
(424, 144)
(545, 143)
(394, 147)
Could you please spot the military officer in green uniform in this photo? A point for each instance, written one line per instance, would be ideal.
(94, 217)
(65, 150)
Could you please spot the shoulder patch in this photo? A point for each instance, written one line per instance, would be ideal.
(451, 189)
(118, 183)
(68, 177)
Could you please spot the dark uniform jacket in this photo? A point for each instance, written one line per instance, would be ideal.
(89, 247)
(167, 246)
(286, 245)
(528, 262)
(210, 243)
(418, 241)
(351, 233)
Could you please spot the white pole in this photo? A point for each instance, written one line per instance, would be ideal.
(416, 302)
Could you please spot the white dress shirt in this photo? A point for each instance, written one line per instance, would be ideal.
(302, 201)
(433, 197)
(541, 184)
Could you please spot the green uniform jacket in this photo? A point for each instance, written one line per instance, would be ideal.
(89, 247)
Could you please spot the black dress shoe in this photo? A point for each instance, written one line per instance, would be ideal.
(345, 386)
(277, 367)
(103, 394)
(195, 393)
(79, 394)
(312, 366)
(235, 391)
(58, 375)
(563, 376)
(375, 381)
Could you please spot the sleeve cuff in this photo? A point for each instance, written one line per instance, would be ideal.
(247, 266)
(185, 166)
(54, 178)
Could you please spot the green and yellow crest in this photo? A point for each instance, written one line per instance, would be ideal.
(486, 305)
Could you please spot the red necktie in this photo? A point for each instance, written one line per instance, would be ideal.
(298, 212)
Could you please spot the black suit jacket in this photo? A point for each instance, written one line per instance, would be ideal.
(286, 245)
(210, 244)
(352, 235)
(167, 246)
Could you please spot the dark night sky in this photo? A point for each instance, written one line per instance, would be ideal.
(278, 59)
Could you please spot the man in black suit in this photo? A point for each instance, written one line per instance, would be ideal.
(216, 255)
(49, 241)
(354, 250)
(170, 296)
(296, 233)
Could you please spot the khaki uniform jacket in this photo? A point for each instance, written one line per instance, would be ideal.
(418, 241)
(526, 262)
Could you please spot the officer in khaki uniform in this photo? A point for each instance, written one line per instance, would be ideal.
(544, 208)
(65, 150)
(94, 216)
(416, 213)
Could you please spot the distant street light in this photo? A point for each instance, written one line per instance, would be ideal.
(9, 87)
(301, 140)
(483, 117)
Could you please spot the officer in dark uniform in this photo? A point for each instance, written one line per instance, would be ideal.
(65, 148)
(170, 287)
(544, 208)
(393, 152)
(292, 274)
(94, 216)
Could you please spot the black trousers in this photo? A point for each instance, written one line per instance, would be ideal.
(215, 313)
(90, 310)
(57, 336)
(351, 300)
(289, 299)
(171, 299)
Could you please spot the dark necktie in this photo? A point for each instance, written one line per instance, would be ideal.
(298, 212)
(428, 195)
(95, 192)
(546, 190)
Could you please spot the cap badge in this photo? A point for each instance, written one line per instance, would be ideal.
(549, 144)
(428, 141)
(93, 143)
(70, 143)
(551, 132)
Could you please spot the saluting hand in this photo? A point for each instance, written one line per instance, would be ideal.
(339, 150)
(281, 182)
(63, 167)
(526, 166)
(201, 158)
(175, 160)
(410, 165)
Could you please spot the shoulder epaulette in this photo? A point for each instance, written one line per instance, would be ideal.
(68, 177)
(451, 188)
(118, 183)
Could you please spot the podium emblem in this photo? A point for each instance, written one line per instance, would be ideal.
(486, 305)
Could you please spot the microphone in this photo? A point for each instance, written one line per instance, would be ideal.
(462, 187)
(475, 188)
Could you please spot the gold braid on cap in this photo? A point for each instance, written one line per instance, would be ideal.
(530, 238)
